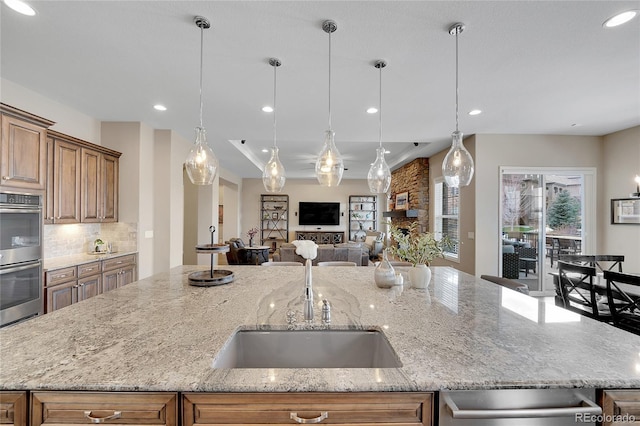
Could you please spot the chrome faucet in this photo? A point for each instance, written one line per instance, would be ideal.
(308, 292)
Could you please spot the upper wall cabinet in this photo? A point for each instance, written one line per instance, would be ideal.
(23, 150)
(82, 181)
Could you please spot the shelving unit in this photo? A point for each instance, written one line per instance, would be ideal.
(362, 216)
(274, 222)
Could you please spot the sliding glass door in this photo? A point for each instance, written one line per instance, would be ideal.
(544, 213)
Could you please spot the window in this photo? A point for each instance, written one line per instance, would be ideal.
(447, 202)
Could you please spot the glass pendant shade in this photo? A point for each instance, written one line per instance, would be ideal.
(201, 163)
(457, 167)
(379, 177)
(329, 165)
(273, 175)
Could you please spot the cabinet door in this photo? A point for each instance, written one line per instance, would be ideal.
(66, 182)
(620, 407)
(23, 158)
(89, 287)
(47, 208)
(110, 280)
(89, 211)
(127, 275)
(61, 295)
(122, 408)
(108, 205)
(13, 408)
(406, 408)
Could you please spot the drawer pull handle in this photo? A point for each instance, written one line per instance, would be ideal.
(323, 415)
(115, 415)
(6, 178)
(586, 407)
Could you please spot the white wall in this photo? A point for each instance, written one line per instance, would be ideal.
(493, 151)
(621, 161)
(68, 121)
(302, 190)
(161, 201)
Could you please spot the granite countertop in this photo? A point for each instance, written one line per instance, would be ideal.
(78, 259)
(161, 334)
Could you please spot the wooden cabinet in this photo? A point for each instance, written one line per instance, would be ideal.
(274, 225)
(321, 237)
(66, 286)
(13, 408)
(122, 408)
(99, 186)
(118, 271)
(363, 210)
(23, 151)
(620, 407)
(62, 201)
(286, 408)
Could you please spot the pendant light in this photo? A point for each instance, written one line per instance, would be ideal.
(273, 175)
(457, 167)
(379, 176)
(329, 165)
(201, 163)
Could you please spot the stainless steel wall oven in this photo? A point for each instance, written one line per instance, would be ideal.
(21, 273)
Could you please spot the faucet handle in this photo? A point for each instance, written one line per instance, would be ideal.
(326, 312)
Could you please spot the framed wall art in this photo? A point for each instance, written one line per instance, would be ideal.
(402, 201)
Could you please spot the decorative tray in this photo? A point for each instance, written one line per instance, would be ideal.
(212, 248)
(210, 278)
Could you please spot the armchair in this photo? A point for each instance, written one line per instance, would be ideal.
(374, 240)
(237, 254)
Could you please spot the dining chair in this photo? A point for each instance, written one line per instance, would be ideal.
(337, 263)
(579, 292)
(272, 263)
(596, 261)
(623, 295)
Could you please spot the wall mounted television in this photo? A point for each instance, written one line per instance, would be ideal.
(318, 213)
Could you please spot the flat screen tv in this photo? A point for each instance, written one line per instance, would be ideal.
(319, 213)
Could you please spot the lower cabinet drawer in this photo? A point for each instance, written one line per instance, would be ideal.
(13, 408)
(405, 408)
(122, 408)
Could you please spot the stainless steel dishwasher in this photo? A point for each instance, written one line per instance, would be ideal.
(521, 407)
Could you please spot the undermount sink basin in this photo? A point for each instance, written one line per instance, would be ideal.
(307, 349)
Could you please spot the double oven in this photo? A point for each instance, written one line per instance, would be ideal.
(21, 275)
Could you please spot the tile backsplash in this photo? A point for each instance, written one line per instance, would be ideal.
(65, 240)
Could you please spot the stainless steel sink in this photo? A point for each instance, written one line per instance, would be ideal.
(307, 349)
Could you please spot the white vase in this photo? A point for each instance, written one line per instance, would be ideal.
(420, 276)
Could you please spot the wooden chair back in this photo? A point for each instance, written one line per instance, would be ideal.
(623, 295)
(579, 293)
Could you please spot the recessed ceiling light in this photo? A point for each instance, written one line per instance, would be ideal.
(267, 108)
(160, 107)
(20, 7)
(372, 110)
(620, 18)
(475, 112)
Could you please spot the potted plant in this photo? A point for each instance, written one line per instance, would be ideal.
(417, 248)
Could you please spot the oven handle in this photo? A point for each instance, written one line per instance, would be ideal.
(22, 267)
(587, 407)
(19, 210)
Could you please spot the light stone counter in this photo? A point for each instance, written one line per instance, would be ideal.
(79, 259)
(161, 334)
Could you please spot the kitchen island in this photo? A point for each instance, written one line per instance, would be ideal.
(161, 334)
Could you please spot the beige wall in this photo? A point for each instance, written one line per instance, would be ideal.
(621, 161)
(302, 190)
(68, 121)
(467, 256)
(494, 151)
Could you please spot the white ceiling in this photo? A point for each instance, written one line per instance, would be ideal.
(533, 67)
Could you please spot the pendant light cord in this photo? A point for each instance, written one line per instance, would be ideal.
(380, 109)
(201, 50)
(457, 32)
(329, 80)
(275, 109)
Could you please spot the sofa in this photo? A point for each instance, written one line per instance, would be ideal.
(350, 252)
